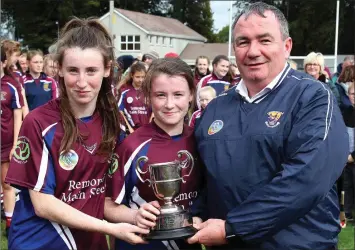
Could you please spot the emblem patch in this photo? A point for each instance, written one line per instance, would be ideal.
(273, 119)
(69, 160)
(22, 151)
(215, 127)
(46, 86)
(129, 99)
(113, 165)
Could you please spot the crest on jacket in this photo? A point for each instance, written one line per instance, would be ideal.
(273, 119)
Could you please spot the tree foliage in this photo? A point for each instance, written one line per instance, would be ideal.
(223, 35)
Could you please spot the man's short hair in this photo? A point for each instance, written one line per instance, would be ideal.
(259, 8)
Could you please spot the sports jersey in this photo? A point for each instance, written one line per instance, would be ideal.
(10, 100)
(154, 143)
(132, 104)
(195, 115)
(39, 91)
(272, 164)
(77, 178)
(212, 80)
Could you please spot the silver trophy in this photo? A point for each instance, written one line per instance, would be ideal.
(165, 178)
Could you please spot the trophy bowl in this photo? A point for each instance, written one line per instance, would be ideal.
(165, 179)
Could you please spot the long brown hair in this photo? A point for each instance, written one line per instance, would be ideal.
(128, 80)
(347, 74)
(170, 67)
(85, 34)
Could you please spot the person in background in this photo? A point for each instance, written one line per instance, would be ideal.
(201, 68)
(348, 60)
(313, 65)
(349, 170)
(39, 87)
(12, 50)
(293, 64)
(132, 103)
(170, 90)
(234, 75)
(149, 57)
(273, 148)
(218, 79)
(50, 66)
(22, 63)
(64, 151)
(207, 94)
(171, 55)
(11, 119)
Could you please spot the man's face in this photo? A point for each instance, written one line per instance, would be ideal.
(259, 49)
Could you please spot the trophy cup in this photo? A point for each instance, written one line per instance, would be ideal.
(173, 222)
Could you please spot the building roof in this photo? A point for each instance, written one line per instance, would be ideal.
(211, 50)
(161, 25)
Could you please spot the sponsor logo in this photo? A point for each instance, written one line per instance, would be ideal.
(273, 119)
(113, 165)
(215, 127)
(46, 86)
(69, 160)
(226, 86)
(22, 151)
(3, 94)
(129, 99)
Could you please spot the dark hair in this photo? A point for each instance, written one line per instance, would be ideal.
(86, 34)
(3, 54)
(259, 8)
(128, 80)
(347, 74)
(170, 67)
(219, 58)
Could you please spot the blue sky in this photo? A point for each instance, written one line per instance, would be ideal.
(220, 13)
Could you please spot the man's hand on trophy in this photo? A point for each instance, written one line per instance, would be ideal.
(128, 232)
(146, 215)
(211, 232)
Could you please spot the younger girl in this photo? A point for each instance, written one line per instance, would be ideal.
(133, 102)
(39, 87)
(170, 89)
(11, 118)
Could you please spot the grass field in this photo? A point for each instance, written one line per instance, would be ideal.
(346, 238)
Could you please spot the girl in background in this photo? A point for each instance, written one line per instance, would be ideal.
(39, 87)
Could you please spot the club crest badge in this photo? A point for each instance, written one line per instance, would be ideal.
(130, 99)
(46, 86)
(113, 165)
(273, 119)
(22, 151)
(69, 160)
(215, 127)
(3, 94)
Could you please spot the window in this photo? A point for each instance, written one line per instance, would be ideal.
(150, 39)
(157, 40)
(130, 43)
(171, 42)
(163, 42)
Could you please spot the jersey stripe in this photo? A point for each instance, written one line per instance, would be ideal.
(66, 235)
(44, 162)
(17, 98)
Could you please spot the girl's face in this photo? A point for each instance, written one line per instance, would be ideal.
(36, 64)
(12, 60)
(51, 68)
(23, 63)
(83, 72)
(137, 79)
(202, 66)
(170, 98)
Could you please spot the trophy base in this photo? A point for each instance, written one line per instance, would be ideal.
(171, 234)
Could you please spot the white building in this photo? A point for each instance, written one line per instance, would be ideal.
(136, 33)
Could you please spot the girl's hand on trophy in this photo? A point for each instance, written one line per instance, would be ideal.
(128, 233)
(146, 215)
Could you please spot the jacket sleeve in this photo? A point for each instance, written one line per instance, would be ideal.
(315, 153)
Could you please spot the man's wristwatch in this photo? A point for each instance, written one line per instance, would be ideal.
(229, 231)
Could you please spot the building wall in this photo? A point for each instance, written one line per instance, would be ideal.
(160, 43)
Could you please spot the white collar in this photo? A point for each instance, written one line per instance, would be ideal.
(242, 90)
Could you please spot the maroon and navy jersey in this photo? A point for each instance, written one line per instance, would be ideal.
(132, 104)
(212, 80)
(39, 91)
(77, 178)
(10, 100)
(195, 115)
(124, 186)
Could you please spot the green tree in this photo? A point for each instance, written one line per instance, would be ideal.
(196, 14)
(223, 35)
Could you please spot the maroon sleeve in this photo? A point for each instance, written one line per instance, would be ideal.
(29, 164)
(54, 89)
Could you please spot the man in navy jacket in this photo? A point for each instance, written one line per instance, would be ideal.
(273, 147)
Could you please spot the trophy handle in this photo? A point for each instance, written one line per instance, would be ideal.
(139, 171)
(185, 163)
